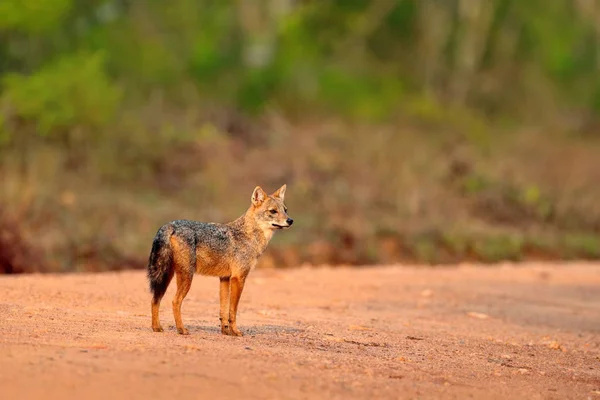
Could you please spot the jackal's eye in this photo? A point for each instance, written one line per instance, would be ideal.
(273, 211)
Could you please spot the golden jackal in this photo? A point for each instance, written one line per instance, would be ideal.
(229, 251)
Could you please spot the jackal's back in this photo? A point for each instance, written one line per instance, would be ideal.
(206, 234)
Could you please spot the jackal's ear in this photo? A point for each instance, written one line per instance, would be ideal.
(258, 196)
(280, 193)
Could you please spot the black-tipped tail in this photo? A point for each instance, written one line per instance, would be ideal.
(160, 263)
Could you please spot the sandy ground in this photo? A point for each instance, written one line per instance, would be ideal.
(531, 331)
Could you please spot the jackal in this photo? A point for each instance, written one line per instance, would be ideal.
(228, 251)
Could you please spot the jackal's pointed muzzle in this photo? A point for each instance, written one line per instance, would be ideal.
(288, 223)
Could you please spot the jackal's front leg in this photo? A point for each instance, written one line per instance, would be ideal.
(236, 286)
(224, 302)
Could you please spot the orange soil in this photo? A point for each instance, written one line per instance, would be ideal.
(530, 331)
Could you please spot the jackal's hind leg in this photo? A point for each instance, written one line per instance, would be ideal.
(184, 263)
(184, 282)
(156, 298)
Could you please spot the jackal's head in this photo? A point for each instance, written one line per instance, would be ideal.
(269, 211)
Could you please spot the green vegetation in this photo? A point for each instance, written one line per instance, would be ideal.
(463, 129)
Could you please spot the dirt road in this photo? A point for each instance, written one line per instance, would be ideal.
(521, 332)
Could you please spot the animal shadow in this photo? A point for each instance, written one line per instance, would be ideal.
(252, 330)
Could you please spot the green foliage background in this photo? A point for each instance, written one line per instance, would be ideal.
(367, 59)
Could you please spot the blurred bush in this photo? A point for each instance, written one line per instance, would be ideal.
(17, 254)
(69, 94)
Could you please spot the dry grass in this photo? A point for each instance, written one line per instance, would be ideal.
(359, 194)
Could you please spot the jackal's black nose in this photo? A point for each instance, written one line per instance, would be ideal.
(289, 221)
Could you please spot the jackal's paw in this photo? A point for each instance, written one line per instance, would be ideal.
(225, 329)
(158, 328)
(183, 331)
(235, 332)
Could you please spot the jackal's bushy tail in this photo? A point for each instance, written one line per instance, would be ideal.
(160, 265)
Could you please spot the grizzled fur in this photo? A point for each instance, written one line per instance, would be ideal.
(182, 248)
